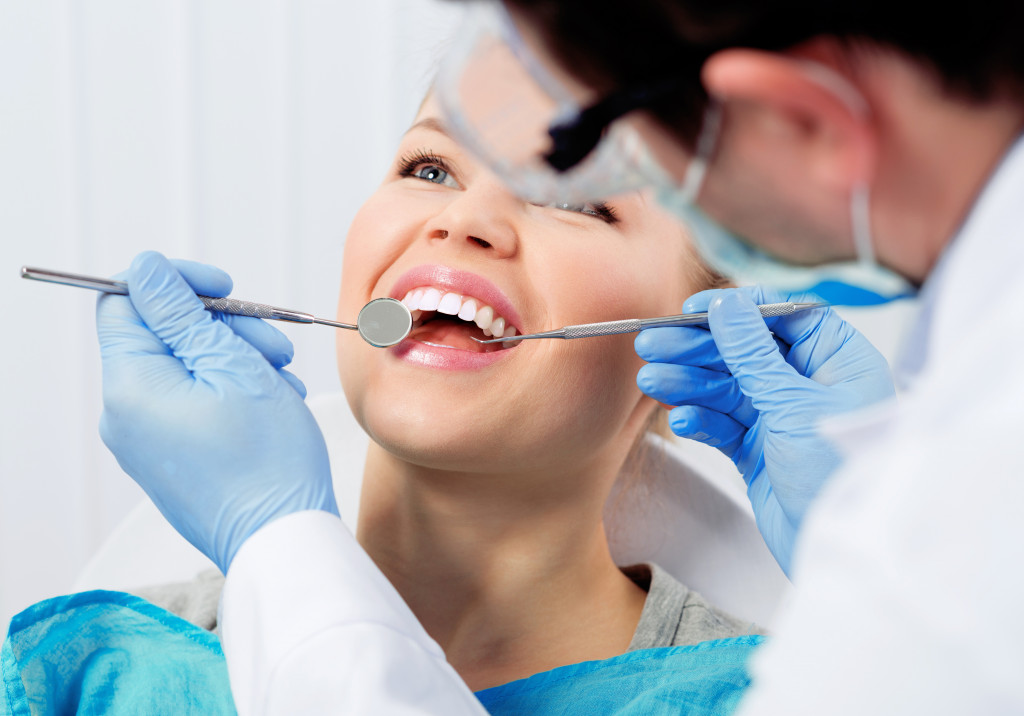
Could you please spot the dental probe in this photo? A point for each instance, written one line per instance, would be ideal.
(382, 322)
(632, 325)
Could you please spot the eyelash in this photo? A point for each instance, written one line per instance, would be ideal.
(409, 163)
(599, 209)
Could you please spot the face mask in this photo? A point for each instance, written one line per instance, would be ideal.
(852, 283)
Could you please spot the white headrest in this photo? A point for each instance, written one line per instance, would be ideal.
(688, 512)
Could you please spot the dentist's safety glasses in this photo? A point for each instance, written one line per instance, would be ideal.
(545, 142)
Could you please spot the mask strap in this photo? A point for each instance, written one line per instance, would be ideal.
(711, 126)
(838, 85)
(860, 220)
(860, 204)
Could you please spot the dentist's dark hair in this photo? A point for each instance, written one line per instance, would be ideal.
(976, 49)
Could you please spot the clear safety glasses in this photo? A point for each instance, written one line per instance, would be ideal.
(547, 142)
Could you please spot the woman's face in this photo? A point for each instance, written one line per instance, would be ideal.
(441, 231)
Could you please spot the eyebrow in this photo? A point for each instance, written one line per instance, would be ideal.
(430, 123)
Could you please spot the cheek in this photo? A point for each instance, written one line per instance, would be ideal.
(781, 211)
(577, 408)
(590, 383)
(639, 280)
(377, 235)
(381, 231)
(372, 241)
(599, 378)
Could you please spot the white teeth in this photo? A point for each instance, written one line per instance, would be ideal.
(422, 300)
(498, 327)
(450, 304)
(431, 297)
(484, 317)
(468, 310)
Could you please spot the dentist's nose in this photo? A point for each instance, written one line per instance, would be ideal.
(483, 217)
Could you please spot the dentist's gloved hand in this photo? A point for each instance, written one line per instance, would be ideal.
(200, 411)
(760, 398)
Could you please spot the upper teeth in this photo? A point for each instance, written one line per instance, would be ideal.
(428, 298)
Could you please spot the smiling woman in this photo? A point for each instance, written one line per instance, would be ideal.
(490, 466)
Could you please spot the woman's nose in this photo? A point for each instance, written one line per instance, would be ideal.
(483, 217)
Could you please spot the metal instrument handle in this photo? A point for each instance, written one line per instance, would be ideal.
(224, 305)
(607, 328)
(768, 310)
(256, 310)
(632, 325)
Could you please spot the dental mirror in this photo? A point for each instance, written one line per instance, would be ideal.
(384, 322)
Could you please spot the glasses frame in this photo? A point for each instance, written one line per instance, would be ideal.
(573, 139)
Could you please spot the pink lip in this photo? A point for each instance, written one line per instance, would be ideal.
(429, 355)
(466, 284)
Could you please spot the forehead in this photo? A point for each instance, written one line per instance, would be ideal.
(430, 118)
(429, 107)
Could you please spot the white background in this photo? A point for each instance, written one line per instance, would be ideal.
(243, 133)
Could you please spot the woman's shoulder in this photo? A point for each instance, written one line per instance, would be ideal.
(675, 615)
(195, 600)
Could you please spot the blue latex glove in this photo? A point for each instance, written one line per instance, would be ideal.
(198, 409)
(760, 398)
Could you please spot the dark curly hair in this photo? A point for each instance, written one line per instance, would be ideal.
(976, 49)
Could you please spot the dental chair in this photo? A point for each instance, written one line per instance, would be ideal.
(688, 513)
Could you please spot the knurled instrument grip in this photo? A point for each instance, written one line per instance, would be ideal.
(608, 328)
(256, 310)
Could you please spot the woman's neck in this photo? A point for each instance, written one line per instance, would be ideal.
(510, 576)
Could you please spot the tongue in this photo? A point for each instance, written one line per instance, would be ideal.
(453, 333)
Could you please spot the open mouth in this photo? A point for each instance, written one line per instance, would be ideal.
(452, 320)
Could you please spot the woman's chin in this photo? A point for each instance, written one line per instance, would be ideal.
(433, 454)
(429, 435)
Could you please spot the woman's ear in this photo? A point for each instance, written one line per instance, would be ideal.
(805, 108)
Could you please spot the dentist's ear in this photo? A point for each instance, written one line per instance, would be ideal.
(804, 110)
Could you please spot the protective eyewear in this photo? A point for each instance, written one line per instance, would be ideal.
(547, 137)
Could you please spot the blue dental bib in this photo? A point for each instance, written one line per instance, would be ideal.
(113, 653)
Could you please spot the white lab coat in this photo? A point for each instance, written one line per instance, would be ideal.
(309, 625)
(910, 568)
(910, 593)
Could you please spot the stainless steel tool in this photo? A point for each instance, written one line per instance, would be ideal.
(382, 322)
(632, 325)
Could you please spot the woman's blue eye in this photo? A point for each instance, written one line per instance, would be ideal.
(601, 210)
(434, 174)
(431, 173)
(565, 206)
(427, 167)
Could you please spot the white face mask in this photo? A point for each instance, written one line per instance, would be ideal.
(850, 283)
